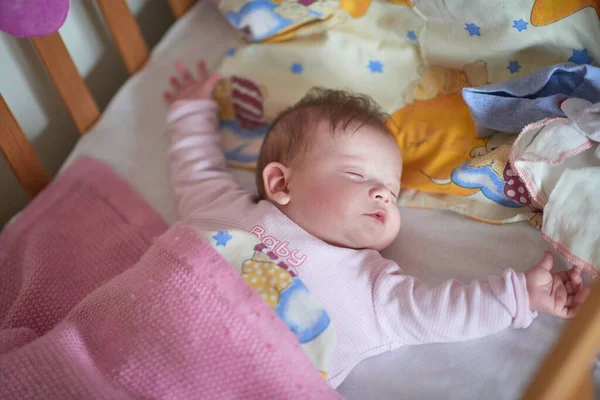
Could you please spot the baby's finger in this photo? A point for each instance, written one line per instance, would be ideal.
(571, 289)
(570, 301)
(183, 71)
(547, 261)
(563, 276)
(175, 84)
(560, 293)
(575, 276)
(168, 97)
(568, 312)
(573, 280)
(573, 304)
(202, 74)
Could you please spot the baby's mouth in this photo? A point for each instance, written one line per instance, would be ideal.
(378, 215)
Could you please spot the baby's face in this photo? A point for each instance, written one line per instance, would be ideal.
(344, 189)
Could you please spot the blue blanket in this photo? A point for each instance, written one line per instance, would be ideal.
(509, 106)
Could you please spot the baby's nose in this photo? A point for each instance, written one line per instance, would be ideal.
(380, 194)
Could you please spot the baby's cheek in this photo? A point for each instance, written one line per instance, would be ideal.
(397, 221)
(329, 206)
(339, 198)
(333, 196)
(318, 204)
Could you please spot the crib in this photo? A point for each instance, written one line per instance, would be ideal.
(565, 373)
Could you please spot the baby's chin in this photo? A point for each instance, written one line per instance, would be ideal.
(377, 244)
(380, 243)
(380, 246)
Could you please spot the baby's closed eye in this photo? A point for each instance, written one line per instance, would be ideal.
(356, 175)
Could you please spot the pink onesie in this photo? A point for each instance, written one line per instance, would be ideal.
(374, 306)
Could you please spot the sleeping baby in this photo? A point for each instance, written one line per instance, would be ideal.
(328, 177)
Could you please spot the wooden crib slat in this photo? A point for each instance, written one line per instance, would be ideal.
(126, 33)
(179, 7)
(19, 153)
(71, 87)
(566, 370)
(586, 388)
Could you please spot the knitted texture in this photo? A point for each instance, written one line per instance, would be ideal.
(83, 316)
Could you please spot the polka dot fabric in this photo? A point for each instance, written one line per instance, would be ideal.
(515, 188)
(267, 279)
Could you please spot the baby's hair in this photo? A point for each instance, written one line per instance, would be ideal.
(343, 109)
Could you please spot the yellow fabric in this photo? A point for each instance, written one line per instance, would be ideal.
(408, 3)
(435, 137)
(267, 279)
(356, 8)
(414, 57)
(546, 12)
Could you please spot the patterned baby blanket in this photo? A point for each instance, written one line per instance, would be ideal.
(414, 58)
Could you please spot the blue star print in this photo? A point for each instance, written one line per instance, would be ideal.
(222, 237)
(412, 35)
(375, 67)
(520, 25)
(513, 67)
(231, 52)
(581, 57)
(296, 68)
(473, 29)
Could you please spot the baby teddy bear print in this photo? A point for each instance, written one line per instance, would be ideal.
(281, 289)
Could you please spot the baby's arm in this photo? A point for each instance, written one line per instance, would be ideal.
(410, 312)
(199, 173)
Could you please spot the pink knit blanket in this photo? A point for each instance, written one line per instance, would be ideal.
(98, 300)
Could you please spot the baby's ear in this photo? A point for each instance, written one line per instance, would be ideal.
(275, 177)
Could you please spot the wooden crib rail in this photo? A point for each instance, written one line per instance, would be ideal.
(131, 45)
(72, 89)
(126, 33)
(19, 153)
(567, 371)
(70, 86)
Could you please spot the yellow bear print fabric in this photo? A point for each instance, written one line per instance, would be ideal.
(414, 58)
(267, 279)
(435, 130)
(447, 163)
(435, 137)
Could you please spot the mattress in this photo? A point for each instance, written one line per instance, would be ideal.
(433, 245)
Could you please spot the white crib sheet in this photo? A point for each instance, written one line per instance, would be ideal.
(432, 245)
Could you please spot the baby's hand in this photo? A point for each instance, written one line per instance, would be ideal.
(185, 87)
(559, 293)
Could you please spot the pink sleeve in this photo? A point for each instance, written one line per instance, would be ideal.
(410, 312)
(200, 177)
